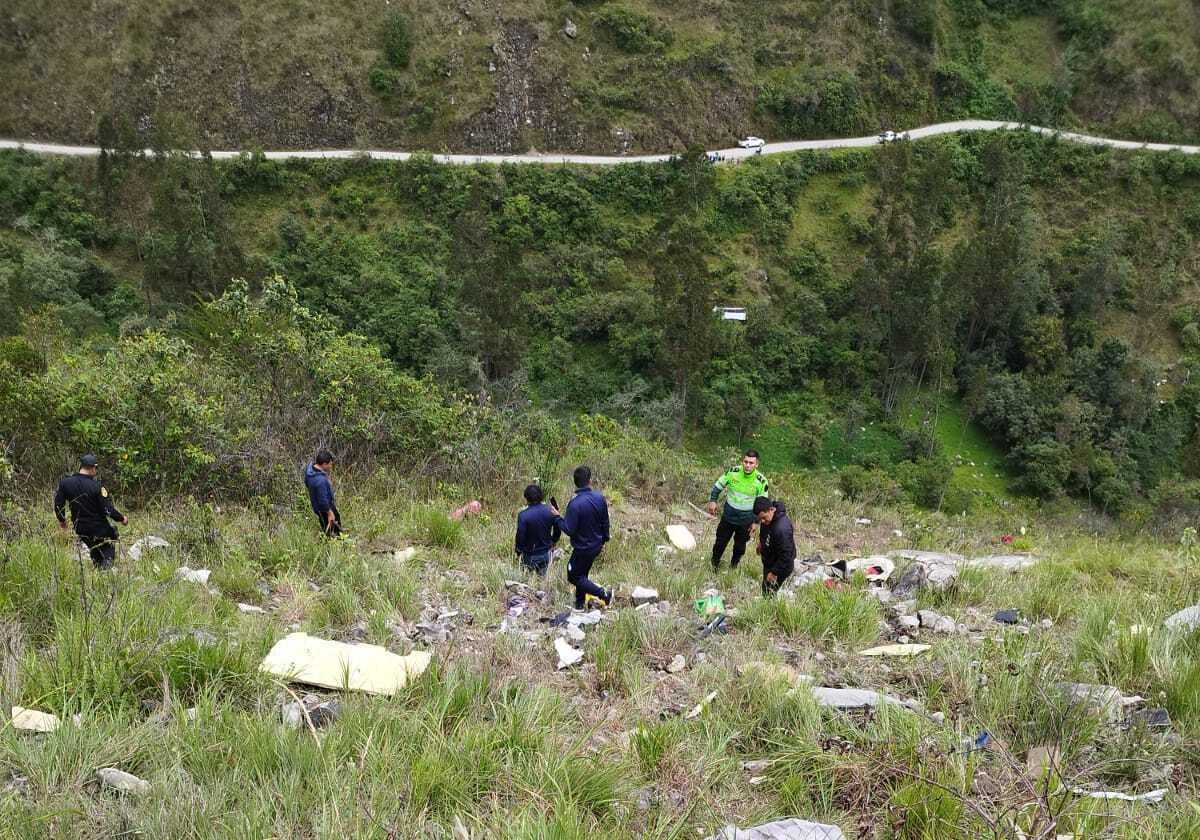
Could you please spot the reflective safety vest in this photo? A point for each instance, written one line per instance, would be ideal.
(741, 489)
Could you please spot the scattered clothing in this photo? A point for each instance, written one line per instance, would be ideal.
(91, 511)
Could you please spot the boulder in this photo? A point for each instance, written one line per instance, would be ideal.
(851, 698)
(199, 576)
(681, 537)
(1102, 699)
(147, 543)
(31, 720)
(570, 29)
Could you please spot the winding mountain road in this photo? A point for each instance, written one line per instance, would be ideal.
(613, 160)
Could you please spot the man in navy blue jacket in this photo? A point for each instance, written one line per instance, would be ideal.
(587, 524)
(320, 493)
(536, 532)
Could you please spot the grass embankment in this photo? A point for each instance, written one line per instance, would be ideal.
(495, 737)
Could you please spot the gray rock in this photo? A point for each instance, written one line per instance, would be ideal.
(1185, 620)
(789, 829)
(1003, 562)
(908, 622)
(570, 29)
(121, 781)
(928, 618)
(433, 632)
(676, 665)
(1102, 699)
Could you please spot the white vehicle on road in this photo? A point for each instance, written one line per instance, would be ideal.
(887, 136)
(752, 142)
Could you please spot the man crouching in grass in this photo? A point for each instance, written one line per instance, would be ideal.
(776, 543)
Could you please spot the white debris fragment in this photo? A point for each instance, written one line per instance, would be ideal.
(199, 576)
(699, 708)
(31, 720)
(301, 658)
(789, 829)
(677, 664)
(567, 655)
(851, 698)
(1185, 620)
(403, 555)
(585, 619)
(147, 543)
(681, 537)
(249, 608)
(1152, 796)
(862, 520)
(643, 595)
(121, 781)
(895, 650)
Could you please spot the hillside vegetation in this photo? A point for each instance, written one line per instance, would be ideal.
(627, 75)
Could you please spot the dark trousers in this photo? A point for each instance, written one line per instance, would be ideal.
(102, 548)
(536, 562)
(782, 573)
(741, 536)
(333, 529)
(577, 574)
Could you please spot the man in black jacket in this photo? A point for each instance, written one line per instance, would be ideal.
(586, 522)
(776, 543)
(91, 509)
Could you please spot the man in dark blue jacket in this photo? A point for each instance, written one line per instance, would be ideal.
(91, 509)
(587, 524)
(320, 493)
(776, 543)
(536, 532)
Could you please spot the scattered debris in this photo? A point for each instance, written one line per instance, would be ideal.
(433, 632)
(1004, 562)
(249, 608)
(717, 625)
(851, 698)
(710, 604)
(979, 742)
(301, 658)
(199, 576)
(908, 622)
(756, 766)
(897, 533)
(299, 714)
(936, 622)
(31, 720)
(677, 664)
(584, 619)
(1008, 616)
(1184, 620)
(403, 555)
(921, 574)
(471, 508)
(789, 829)
(876, 568)
(1152, 718)
(570, 29)
(681, 538)
(862, 520)
(699, 708)
(121, 781)
(895, 650)
(643, 595)
(567, 655)
(572, 633)
(1152, 796)
(147, 543)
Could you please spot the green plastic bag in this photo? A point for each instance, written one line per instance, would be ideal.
(710, 605)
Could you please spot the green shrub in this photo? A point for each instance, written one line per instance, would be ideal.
(397, 40)
(434, 527)
(810, 102)
(631, 30)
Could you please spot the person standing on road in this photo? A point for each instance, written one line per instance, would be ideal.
(741, 485)
(586, 522)
(320, 493)
(536, 532)
(91, 509)
(776, 543)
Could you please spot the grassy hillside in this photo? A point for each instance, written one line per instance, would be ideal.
(501, 75)
(163, 675)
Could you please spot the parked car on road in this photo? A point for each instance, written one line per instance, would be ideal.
(752, 142)
(887, 136)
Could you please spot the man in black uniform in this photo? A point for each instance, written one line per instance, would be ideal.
(91, 508)
(776, 543)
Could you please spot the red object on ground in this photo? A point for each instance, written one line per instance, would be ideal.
(469, 509)
(1007, 539)
(831, 583)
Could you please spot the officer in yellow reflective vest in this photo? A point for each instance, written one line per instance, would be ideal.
(741, 486)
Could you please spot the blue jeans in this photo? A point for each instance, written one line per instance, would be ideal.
(536, 562)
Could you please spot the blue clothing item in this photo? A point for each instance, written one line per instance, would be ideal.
(537, 531)
(586, 521)
(539, 562)
(320, 490)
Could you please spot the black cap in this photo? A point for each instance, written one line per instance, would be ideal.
(88, 460)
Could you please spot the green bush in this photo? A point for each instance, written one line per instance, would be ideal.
(813, 102)
(397, 40)
(631, 30)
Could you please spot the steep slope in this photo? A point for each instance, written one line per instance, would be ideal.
(636, 75)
